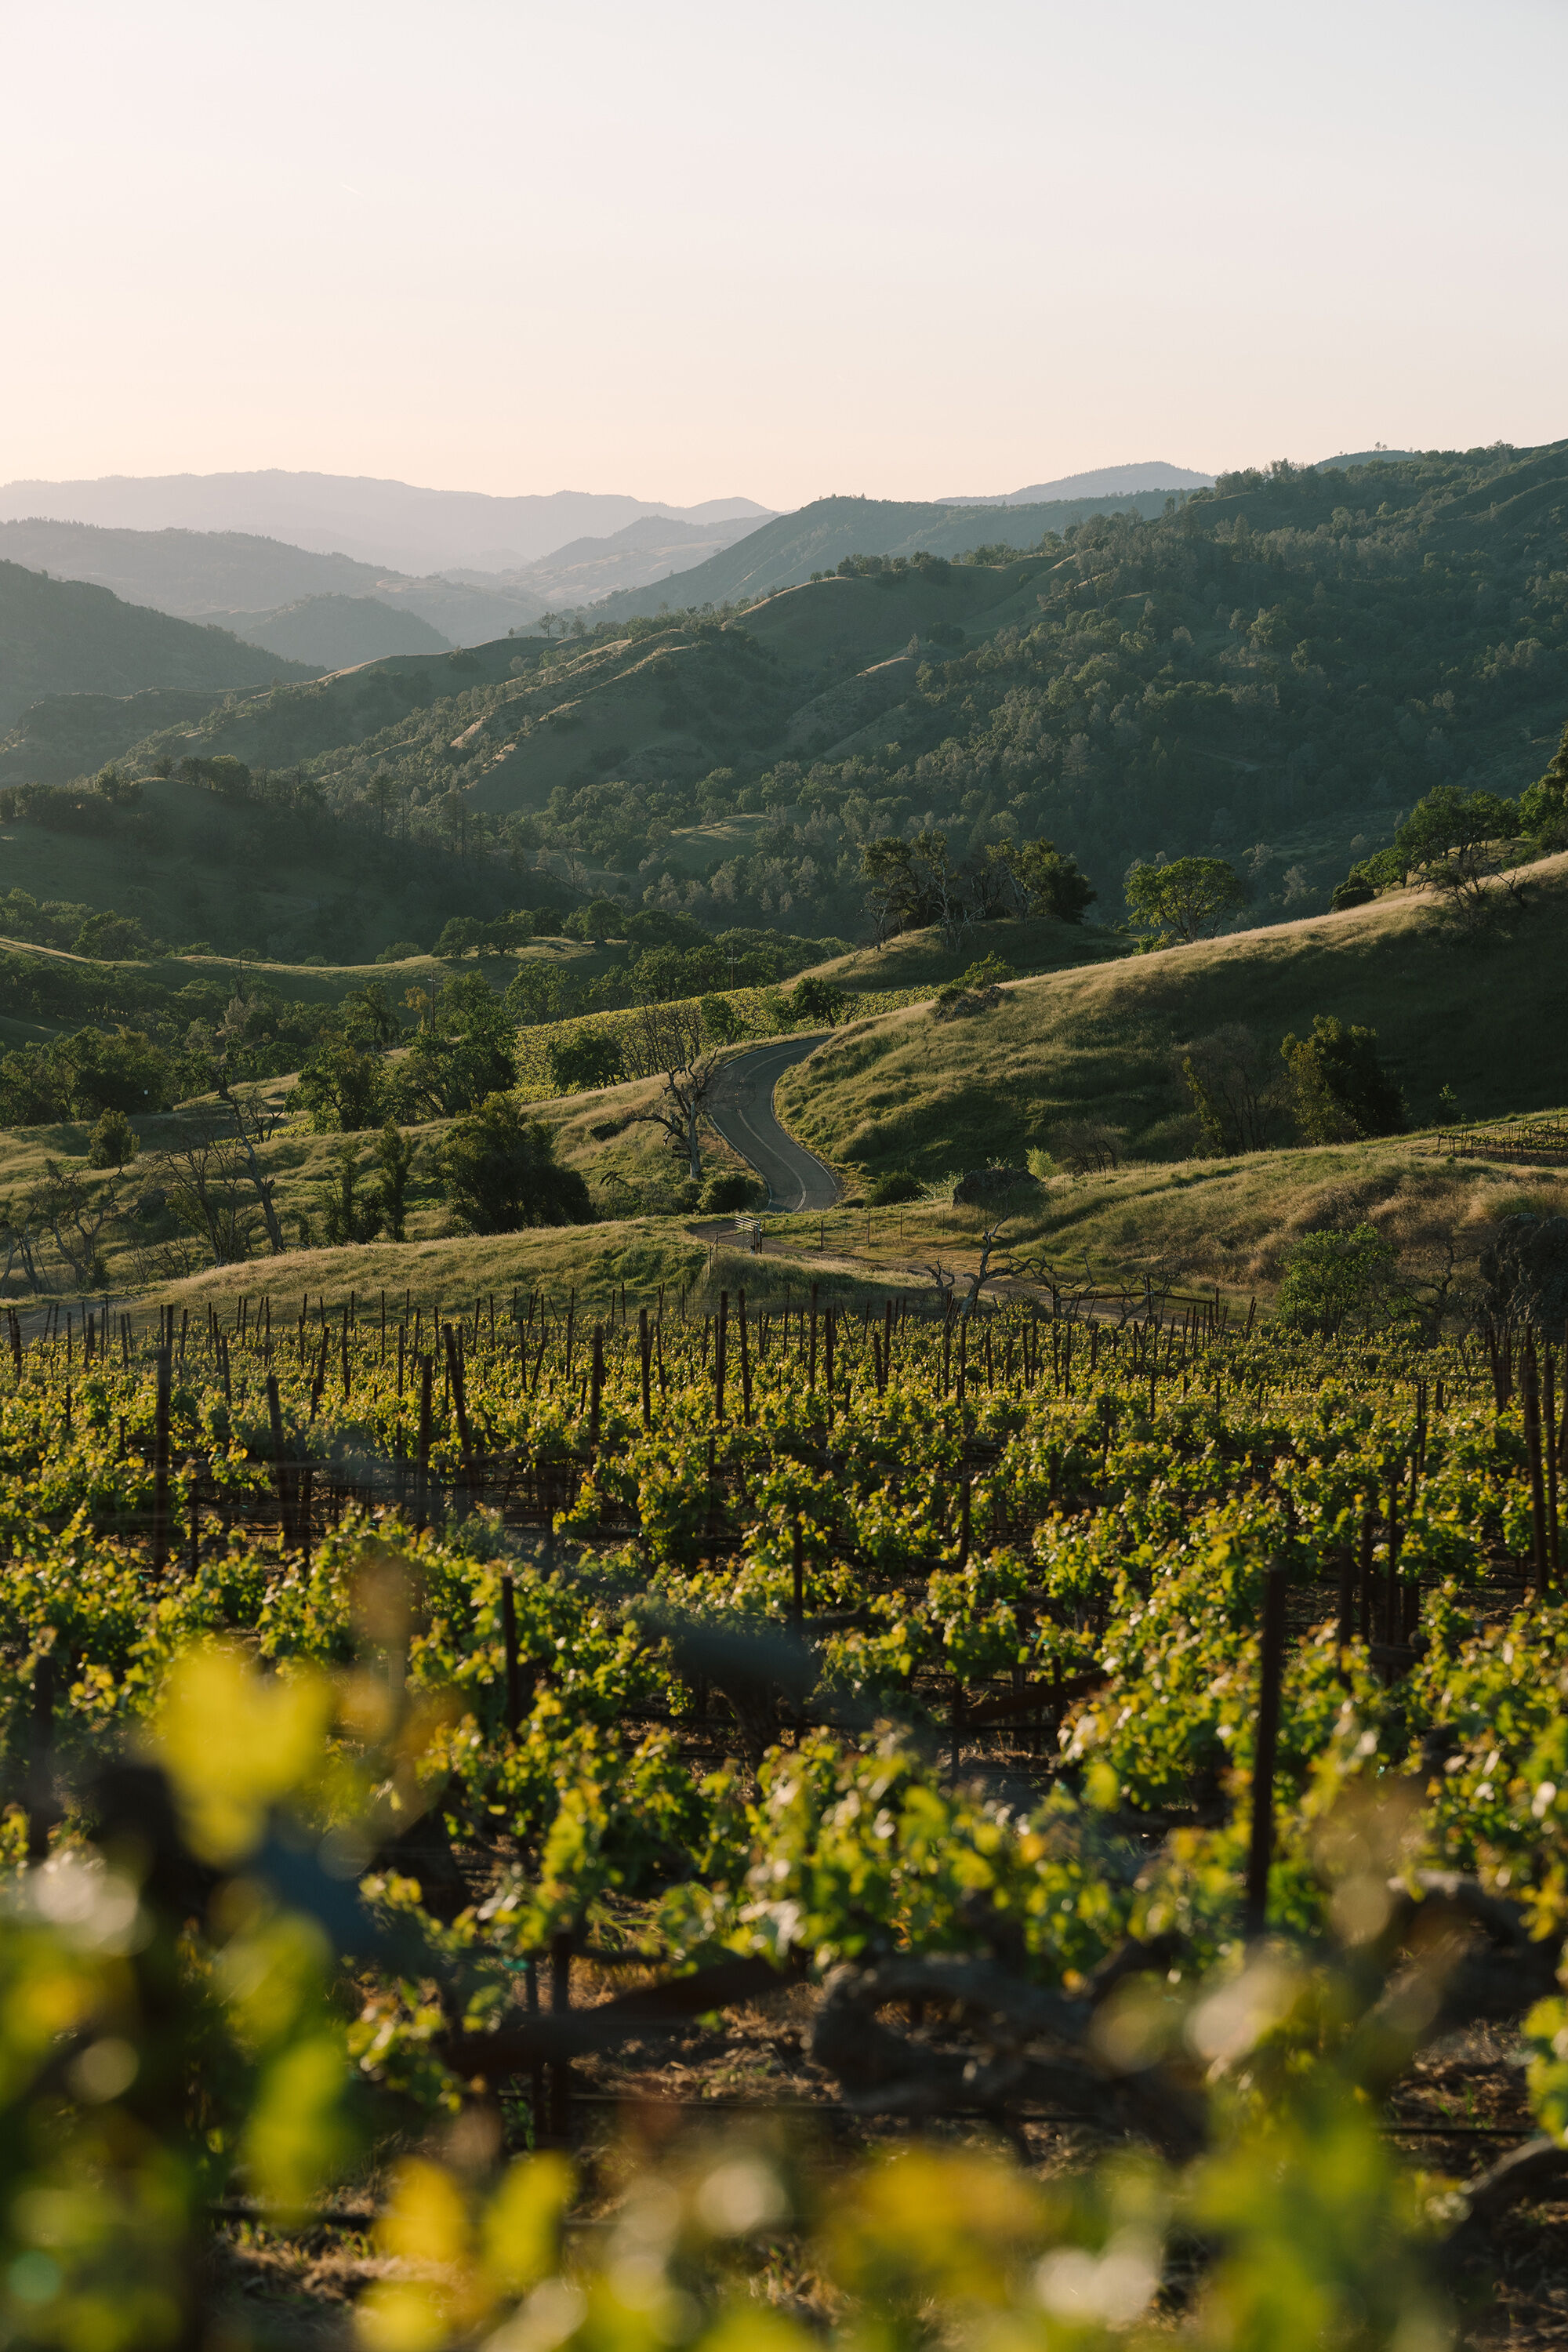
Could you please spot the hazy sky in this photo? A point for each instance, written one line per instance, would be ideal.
(699, 251)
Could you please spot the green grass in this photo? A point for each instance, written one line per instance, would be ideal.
(1486, 1020)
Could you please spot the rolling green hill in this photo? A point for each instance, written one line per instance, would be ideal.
(62, 636)
(817, 537)
(1099, 1042)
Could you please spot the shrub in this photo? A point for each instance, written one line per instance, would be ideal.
(1331, 1279)
(592, 1058)
(1234, 1084)
(345, 1216)
(885, 1192)
(1342, 1090)
(812, 999)
(112, 939)
(601, 918)
(112, 1142)
(459, 936)
(728, 1189)
(1356, 890)
(498, 1173)
(1186, 900)
(342, 1087)
(395, 1158)
(721, 1024)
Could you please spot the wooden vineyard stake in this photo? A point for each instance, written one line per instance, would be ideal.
(1531, 1387)
(1549, 1412)
(1345, 1630)
(536, 2086)
(422, 1484)
(40, 1761)
(509, 1636)
(1260, 1850)
(560, 2069)
(161, 1466)
(460, 1408)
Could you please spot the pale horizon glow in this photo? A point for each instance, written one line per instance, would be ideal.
(907, 251)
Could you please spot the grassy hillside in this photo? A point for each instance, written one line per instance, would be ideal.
(1230, 1224)
(63, 736)
(61, 637)
(817, 537)
(920, 959)
(1097, 1042)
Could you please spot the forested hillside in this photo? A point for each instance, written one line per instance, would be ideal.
(1273, 671)
(61, 636)
(792, 546)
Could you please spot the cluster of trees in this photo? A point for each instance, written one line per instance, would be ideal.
(1459, 844)
(206, 1196)
(462, 1050)
(665, 957)
(1291, 646)
(1329, 1087)
(916, 882)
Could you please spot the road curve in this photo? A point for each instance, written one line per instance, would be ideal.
(742, 1111)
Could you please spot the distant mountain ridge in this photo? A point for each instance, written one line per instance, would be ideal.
(240, 582)
(394, 525)
(1102, 482)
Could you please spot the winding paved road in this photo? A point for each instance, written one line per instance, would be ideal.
(742, 1111)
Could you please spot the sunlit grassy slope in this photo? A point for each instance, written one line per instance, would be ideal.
(920, 959)
(1226, 1222)
(1488, 1020)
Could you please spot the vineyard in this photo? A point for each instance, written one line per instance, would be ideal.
(758, 1818)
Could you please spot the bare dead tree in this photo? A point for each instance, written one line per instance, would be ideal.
(18, 1240)
(205, 1177)
(74, 1216)
(990, 1244)
(254, 1121)
(665, 1040)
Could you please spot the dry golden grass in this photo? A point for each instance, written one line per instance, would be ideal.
(1099, 1042)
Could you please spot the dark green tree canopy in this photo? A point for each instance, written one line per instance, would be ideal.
(1186, 900)
(1342, 1090)
(499, 1172)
